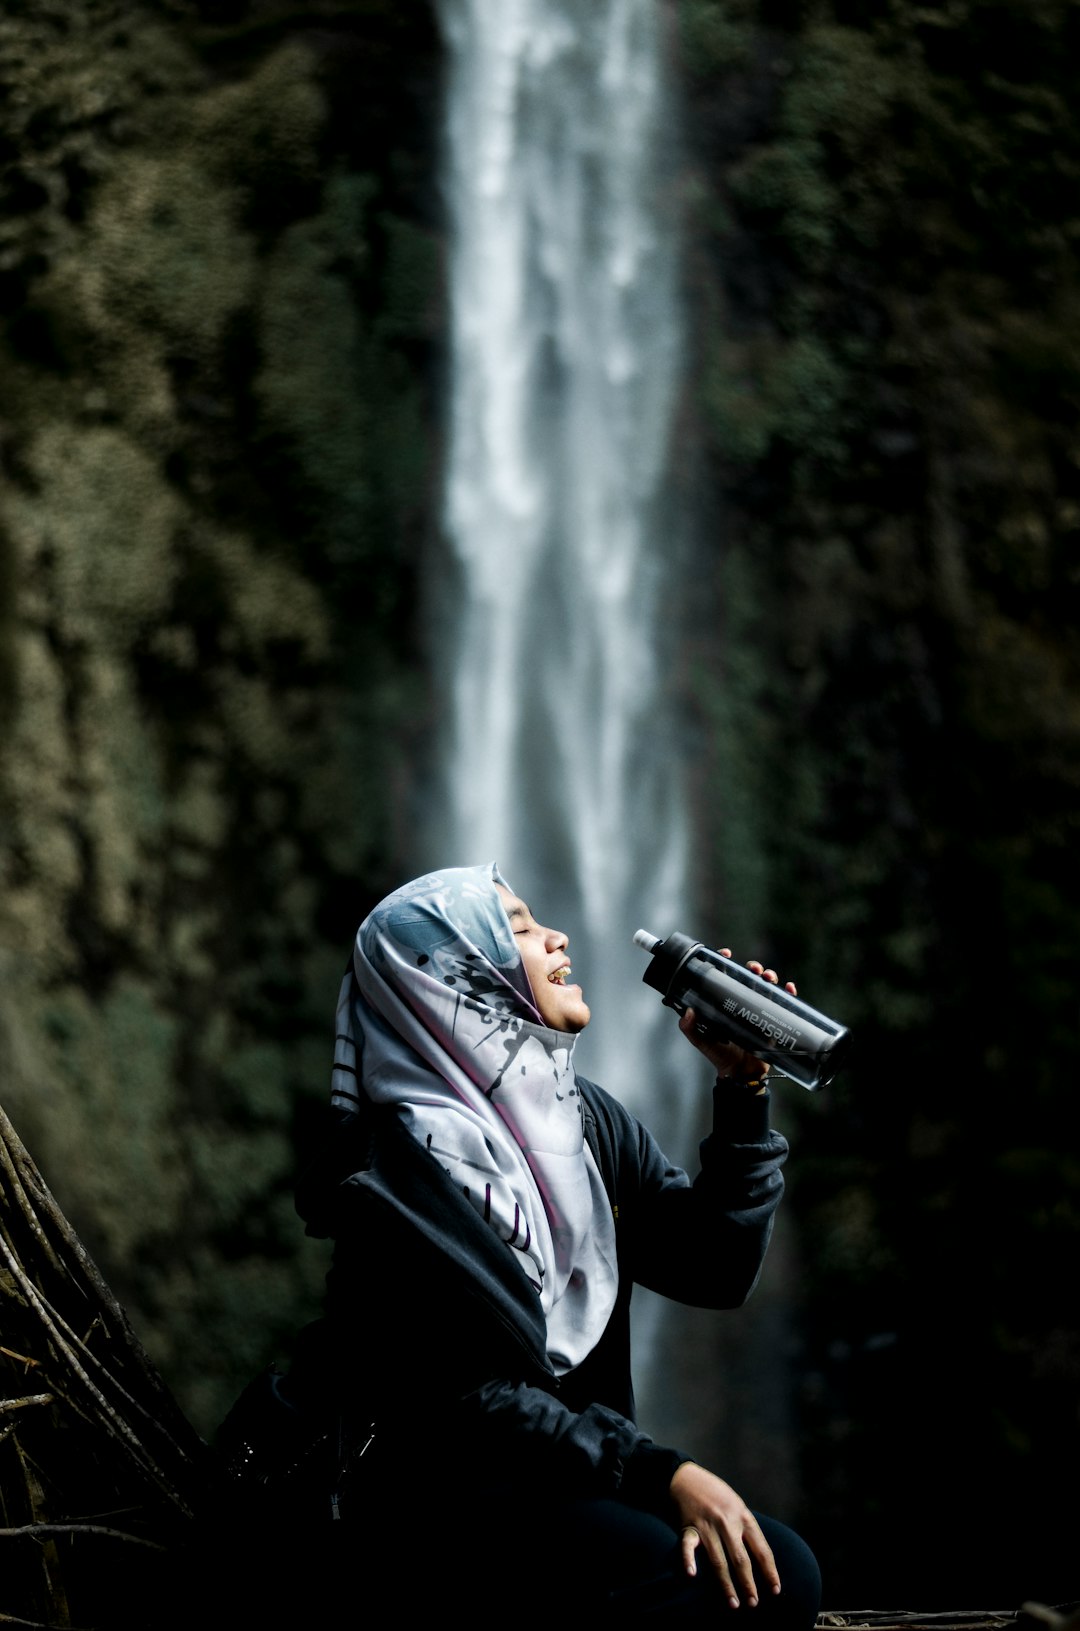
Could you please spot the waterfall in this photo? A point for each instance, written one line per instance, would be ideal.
(554, 618)
(556, 611)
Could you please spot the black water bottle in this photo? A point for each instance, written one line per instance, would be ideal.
(741, 1007)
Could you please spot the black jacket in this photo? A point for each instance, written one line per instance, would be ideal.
(438, 1333)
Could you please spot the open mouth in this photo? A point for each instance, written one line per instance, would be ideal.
(561, 975)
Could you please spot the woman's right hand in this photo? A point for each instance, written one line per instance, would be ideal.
(713, 1517)
(727, 1058)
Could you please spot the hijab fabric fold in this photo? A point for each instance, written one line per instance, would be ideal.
(436, 1017)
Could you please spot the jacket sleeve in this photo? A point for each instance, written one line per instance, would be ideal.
(701, 1243)
(590, 1452)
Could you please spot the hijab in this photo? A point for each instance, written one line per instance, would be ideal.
(436, 1018)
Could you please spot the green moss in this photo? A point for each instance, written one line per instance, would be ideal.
(104, 1133)
(232, 1173)
(715, 35)
(255, 1079)
(273, 606)
(263, 133)
(412, 279)
(96, 534)
(166, 253)
(785, 182)
(313, 355)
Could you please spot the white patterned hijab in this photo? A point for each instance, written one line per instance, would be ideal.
(436, 1016)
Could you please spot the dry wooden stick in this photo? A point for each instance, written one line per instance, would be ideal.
(33, 1625)
(111, 1417)
(909, 1616)
(9, 1143)
(50, 1557)
(163, 1419)
(37, 1531)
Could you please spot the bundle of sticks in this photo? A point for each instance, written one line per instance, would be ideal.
(101, 1475)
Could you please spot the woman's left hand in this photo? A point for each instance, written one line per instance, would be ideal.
(727, 1058)
(716, 1520)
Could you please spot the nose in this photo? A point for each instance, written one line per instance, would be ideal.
(555, 940)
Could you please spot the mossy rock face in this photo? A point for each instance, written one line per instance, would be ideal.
(223, 315)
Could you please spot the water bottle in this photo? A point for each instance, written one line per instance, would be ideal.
(735, 1005)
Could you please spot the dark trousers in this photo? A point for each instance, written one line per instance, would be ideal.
(614, 1563)
(497, 1559)
(588, 1561)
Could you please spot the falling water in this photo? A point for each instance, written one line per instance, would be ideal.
(556, 606)
(562, 753)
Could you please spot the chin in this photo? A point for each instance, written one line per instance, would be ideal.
(577, 1021)
(568, 1019)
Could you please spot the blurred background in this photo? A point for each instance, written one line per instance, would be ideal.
(636, 441)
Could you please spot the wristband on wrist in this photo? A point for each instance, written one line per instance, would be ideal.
(745, 1084)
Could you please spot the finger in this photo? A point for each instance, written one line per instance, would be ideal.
(763, 1556)
(717, 1556)
(725, 951)
(771, 975)
(689, 1541)
(742, 1571)
(790, 986)
(690, 1028)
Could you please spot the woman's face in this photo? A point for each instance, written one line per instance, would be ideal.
(543, 956)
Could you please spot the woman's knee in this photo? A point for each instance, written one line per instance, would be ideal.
(799, 1599)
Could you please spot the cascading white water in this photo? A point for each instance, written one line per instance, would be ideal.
(562, 758)
(557, 606)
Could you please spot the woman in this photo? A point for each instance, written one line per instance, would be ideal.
(491, 1211)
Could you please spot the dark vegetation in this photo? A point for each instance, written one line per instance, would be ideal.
(221, 330)
(886, 280)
